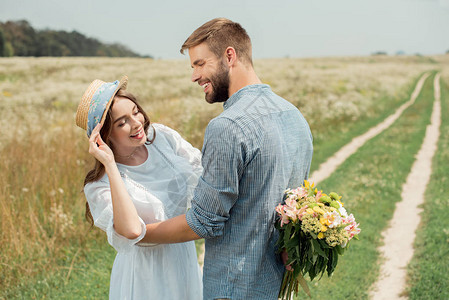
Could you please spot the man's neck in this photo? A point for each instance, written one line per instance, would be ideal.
(240, 77)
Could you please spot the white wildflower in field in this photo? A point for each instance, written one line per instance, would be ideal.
(59, 219)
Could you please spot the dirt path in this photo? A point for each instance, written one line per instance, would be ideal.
(329, 166)
(399, 237)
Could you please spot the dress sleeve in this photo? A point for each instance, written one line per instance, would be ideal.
(182, 147)
(98, 195)
(223, 161)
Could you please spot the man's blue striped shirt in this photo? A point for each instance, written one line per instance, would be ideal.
(258, 147)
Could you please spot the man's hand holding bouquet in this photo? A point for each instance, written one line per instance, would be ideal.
(314, 229)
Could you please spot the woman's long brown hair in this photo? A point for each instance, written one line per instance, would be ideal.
(98, 171)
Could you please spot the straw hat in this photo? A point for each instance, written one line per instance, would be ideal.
(96, 101)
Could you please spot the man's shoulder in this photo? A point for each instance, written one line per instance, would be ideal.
(221, 123)
(247, 111)
(250, 108)
(263, 101)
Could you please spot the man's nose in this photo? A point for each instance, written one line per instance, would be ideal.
(195, 76)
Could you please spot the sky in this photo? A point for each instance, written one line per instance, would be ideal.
(286, 28)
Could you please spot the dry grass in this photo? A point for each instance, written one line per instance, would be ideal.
(44, 155)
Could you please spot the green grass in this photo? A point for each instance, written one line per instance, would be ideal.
(371, 182)
(428, 270)
(83, 274)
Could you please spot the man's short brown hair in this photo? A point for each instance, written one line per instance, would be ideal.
(219, 34)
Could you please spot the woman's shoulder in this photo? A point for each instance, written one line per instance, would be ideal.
(167, 133)
(164, 129)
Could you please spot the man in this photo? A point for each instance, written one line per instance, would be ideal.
(258, 147)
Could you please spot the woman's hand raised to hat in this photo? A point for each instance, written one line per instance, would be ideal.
(99, 149)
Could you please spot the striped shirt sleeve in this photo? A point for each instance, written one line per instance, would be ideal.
(224, 152)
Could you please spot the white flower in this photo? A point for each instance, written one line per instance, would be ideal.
(333, 218)
(343, 212)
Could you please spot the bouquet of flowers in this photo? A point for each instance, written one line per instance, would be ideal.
(314, 230)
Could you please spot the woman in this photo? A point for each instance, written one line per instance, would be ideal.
(144, 173)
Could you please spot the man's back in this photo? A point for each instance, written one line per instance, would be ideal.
(259, 146)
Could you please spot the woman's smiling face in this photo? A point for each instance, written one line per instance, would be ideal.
(127, 125)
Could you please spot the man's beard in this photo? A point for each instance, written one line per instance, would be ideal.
(220, 86)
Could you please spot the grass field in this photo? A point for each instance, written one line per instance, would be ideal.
(48, 250)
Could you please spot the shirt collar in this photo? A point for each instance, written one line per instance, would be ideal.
(237, 95)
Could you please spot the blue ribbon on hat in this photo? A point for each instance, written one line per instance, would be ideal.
(98, 104)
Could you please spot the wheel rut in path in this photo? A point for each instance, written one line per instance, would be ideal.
(398, 238)
(332, 163)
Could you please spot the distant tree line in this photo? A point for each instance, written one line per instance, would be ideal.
(19, 38)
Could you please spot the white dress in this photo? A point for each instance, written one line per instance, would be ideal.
(161, 188)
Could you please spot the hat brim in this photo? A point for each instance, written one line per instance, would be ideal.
(121, 85)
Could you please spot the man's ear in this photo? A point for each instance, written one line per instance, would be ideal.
(231, 56)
